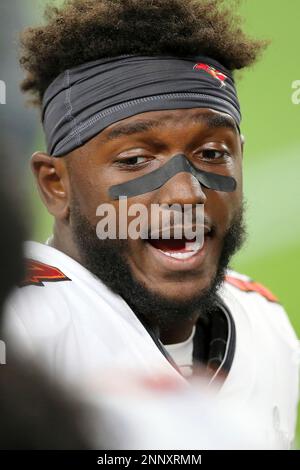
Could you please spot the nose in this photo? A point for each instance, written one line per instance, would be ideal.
(182, 188)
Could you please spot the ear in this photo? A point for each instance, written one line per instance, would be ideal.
(53, 183)
(242, 143)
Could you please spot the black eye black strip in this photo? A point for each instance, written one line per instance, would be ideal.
(157, 178)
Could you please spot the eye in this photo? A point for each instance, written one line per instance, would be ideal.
(212, 154)
(133, 161)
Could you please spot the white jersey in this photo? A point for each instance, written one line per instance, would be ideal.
(68, 320)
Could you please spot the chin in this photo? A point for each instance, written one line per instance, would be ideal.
(183, 291)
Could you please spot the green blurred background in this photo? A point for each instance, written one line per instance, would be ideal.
(271, 125)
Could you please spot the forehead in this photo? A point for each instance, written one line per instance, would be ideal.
(160, 120)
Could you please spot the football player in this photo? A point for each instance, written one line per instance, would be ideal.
(138, 100)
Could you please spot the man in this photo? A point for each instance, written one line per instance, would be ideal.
(138, 100)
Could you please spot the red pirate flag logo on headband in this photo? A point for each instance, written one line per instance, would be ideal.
(221, 77)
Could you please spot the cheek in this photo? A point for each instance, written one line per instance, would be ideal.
(90, 185)
(233, 201)
(222, 207)
(237, 196)
(239, 179)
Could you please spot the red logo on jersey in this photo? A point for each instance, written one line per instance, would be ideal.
(252, 286)
(213, 72)
(38, 273)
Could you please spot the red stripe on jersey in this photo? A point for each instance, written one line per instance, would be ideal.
(251, 286)
(37, 273)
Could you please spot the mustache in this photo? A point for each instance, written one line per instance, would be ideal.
(178, 231)
(176, 223)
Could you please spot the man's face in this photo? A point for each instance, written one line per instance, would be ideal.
(141, 144)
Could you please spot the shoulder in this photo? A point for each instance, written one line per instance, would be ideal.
(46, 314)
(45, 264)
(49, 293)
(57, 292)
(49, 270)
(47, 275)
(261, 306)
(267, 355)
(244, 284)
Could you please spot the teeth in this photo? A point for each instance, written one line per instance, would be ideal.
(179, 255)
(191, 247)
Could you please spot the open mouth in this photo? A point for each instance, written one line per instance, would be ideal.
(178, 249)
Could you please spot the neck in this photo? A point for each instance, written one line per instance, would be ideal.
(63, 241)
(180, 332)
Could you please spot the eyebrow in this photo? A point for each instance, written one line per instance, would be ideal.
(211, 121)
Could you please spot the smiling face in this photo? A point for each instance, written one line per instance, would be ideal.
(135, 147)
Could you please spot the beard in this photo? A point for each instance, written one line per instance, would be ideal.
(106, 259)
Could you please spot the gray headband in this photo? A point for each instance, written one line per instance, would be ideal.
(83, 101)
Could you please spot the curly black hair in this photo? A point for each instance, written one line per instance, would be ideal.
(83, 30)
